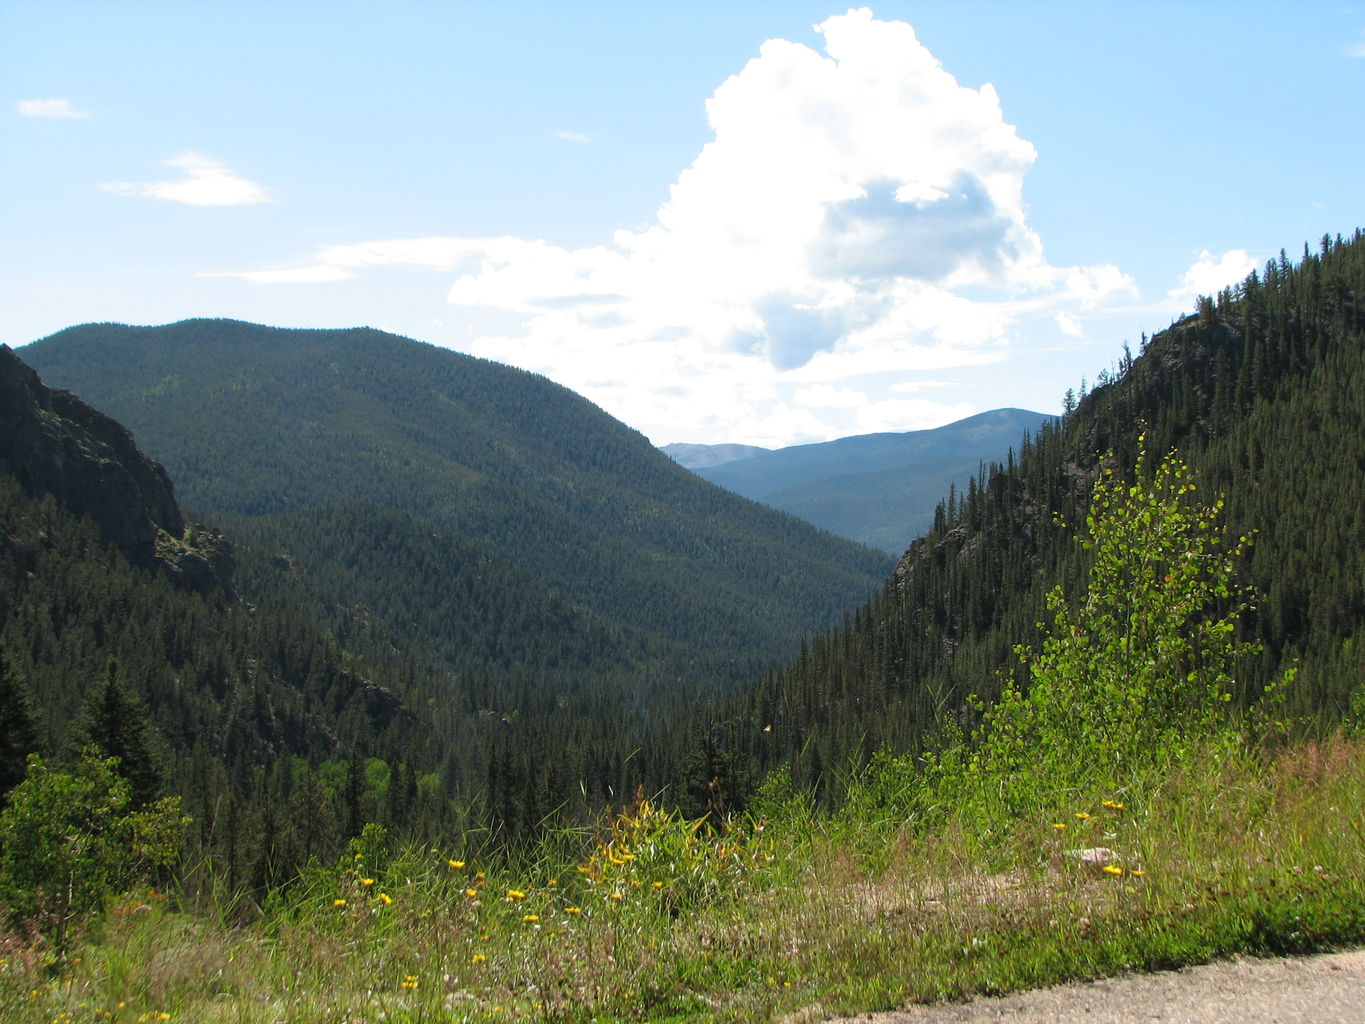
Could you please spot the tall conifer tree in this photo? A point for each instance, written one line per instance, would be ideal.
(118, 726)
(18, 737)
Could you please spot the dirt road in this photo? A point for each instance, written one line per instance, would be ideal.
(1327, 989)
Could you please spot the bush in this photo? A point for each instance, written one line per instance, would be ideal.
(1135, 675)
(68, 838)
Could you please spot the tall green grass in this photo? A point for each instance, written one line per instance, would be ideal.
(780, 919)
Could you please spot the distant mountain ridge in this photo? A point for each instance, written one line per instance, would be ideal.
(878, 489)
(704, 456)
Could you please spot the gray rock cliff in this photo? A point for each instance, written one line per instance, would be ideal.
(54, 444)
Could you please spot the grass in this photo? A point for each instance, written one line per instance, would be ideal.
(791, 919)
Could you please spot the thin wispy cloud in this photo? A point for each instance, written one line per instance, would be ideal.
(48, 108)
(1356, 49)
(572, 137)
(206, 182)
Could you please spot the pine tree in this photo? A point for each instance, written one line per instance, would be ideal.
(18, 737)
(118, 726)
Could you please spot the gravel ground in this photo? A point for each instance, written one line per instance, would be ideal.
(1327, 989)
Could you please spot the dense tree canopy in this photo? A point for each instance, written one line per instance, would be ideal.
(470, 603)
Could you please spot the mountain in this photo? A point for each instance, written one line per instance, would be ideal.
(704, 456)
(1260, 391)
(877, 489)
(544, 582)
(105, 588)
(54, 444)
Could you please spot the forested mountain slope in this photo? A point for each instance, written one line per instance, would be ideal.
(537, 581)
(1262, 391)
(877, 489)
(261, 422)
(105, 590)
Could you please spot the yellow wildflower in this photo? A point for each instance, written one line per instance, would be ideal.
(471, 893)
(409, 982)
(658, 885)
(572, 910)
(338, 903)
(1082, 816)
(530, 918)
(456, 864)
(1058, 825)
(1113, 805)
(385, 898)
(367, 881)
(478, 958)
(515, 894)
(1113, 869)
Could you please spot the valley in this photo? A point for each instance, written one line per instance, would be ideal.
(450, 697)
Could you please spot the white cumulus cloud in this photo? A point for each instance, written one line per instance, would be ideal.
(47, 108)
(857, 214)
(206, 183)
(1209, 276)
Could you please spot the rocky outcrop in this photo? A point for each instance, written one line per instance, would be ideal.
(54, 444)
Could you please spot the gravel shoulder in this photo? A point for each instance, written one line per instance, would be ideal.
(1327, 989)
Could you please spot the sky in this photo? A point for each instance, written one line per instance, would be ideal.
(767, 223)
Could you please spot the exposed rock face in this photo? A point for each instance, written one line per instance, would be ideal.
(53, 443)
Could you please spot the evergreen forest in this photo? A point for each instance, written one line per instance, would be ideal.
(1262, 390)
(413, 602)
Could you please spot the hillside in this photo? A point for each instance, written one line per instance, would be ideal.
(1260, 391)
(515, 554)
(1069, 838)
(98, 568)
(877, 489)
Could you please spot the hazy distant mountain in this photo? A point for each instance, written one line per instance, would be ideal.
(878, 489)
(705, 456)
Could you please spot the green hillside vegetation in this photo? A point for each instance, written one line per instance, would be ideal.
(878, 489)
(236, 703)
(256, 421)
(541, 585)
(1261, 392)
(1108, 714)
(944, 891)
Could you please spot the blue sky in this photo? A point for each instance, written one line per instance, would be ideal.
(752, 222)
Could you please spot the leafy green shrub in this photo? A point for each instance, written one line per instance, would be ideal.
(68, 838)
(1132, 677)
